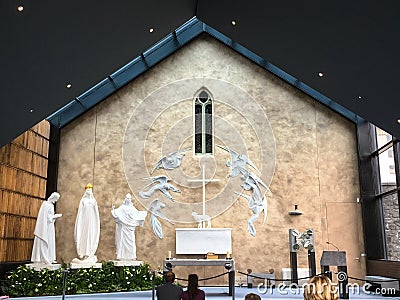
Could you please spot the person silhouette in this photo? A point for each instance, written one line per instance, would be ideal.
(168, 290)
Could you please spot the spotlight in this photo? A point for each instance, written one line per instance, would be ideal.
(296, 233)
(168, 265)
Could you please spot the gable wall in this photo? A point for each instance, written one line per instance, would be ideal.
(308, 154)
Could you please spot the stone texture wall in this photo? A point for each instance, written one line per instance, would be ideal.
(307, 155)
(392, 224)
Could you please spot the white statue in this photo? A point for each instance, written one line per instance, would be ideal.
(257, 202)
(44, 243)
(257, 207)
(170, 161)
(155, 210)
(239, 162)
(202, 220)
(161, 184)
(87, 228)
(127, 218)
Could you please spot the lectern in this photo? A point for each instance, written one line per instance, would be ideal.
(336, 258)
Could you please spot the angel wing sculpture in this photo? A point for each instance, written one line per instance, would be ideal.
(257, 207)
(159, 183)
(257, 201)
(171, 161)
(155, 209)
(252, 183)
(239, 162)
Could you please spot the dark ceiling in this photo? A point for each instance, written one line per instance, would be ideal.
(355, 44)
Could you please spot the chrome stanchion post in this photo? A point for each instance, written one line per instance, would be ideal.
(64, 271)
(232, 283)
(153, 283)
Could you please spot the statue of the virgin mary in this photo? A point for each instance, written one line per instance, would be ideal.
(87, 227)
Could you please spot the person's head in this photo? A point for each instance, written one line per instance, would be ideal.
(193, 285)
(128, 199)
(320, 288)
(193, 281)
(169, 277)
(54, 197)
(252, 296)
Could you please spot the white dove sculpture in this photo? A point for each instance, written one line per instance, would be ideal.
(171, 161)
(159, 183)
(239, 162)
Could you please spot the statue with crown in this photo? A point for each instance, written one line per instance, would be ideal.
(87, 231)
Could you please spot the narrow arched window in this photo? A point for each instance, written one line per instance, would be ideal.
(203, 109)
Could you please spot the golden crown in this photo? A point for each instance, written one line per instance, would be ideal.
(88, 186)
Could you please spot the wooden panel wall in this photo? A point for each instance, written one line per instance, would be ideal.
(23, 176)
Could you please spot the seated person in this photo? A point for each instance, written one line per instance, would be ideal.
(168, 290)
(320, 288)
(193, 292)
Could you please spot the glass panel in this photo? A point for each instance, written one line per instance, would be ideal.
(203, 124)
(203, 97)
(198, 131)
(392, 226)
(387, 169)
(382, 137)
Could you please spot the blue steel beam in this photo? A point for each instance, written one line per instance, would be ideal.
(162, 49)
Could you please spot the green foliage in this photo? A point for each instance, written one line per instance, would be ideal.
(25, 281)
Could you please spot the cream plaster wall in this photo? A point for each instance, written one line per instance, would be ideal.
(315, 163)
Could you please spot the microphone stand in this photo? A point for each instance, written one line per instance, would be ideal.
(329, 243)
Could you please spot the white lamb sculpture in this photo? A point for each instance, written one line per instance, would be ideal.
(202, 218)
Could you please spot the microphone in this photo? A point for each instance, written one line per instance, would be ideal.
(329, 243)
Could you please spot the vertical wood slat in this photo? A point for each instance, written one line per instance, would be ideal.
(18, 204)
(17, 180)
(42, 128)
(15, 250)
(34, 142)
(5, 153)
(24, 159)
(18, 227)
(3, 246)
(23, 172)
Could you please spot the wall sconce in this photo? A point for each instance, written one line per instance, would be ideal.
(296, 211)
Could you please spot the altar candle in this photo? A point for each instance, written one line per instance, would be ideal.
(228, 254)
(169, 254)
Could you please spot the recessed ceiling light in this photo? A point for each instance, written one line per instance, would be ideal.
(20, 8)
(359, 97)
(151, 30)
(398, 121)
(320, 74)
(233, 23)
(31, 110)
(69, 86)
